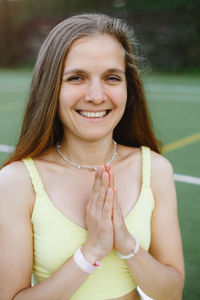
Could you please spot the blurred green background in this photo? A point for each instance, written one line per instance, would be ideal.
(169, 34)
(168, 30)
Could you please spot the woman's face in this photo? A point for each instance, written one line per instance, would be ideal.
(93, 92)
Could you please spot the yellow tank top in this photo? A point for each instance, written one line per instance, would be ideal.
(56, 238)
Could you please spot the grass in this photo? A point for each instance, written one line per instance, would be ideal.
(174, 103)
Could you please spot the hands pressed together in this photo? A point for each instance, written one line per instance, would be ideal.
(104, 219)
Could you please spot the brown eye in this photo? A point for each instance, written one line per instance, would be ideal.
(74, 78)
(113, 79)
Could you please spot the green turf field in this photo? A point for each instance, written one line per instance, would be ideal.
(174, 103)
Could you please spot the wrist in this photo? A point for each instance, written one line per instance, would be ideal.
(83, 263)
(90, 254)
(128, 246)
(131, 251)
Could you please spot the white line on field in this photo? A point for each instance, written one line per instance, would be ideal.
(6, 148)
(177, 177)
(187, 179)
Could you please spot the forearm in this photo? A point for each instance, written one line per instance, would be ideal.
(158, 281)
(60, 286)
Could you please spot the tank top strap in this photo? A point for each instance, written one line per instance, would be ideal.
(34, 175)
(146, 165)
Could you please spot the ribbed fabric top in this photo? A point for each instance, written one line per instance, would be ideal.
(56, 238)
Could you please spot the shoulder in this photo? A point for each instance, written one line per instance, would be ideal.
(158, 161)
(13, 174)
(15, 187)
(161, 168)
(160, 164)
(162, 177)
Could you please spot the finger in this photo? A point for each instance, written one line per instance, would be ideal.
(103, 189)
(114, 200)
(115, 193)
(107, 167)
(97, 179)
(111, 179)
(96, 186)
(90, 204)
(108, 205)
(99, 197)
(117, 210)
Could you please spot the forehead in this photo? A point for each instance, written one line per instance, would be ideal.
(101, 48)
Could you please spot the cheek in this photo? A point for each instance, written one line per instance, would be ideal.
(121, 98)
(67, 98)
(63, 104)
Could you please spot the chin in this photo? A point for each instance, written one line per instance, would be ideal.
(94, 137)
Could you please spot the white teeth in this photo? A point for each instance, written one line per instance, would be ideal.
(93, 114)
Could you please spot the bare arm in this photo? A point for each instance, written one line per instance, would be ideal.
(16, 254)
(160, 273)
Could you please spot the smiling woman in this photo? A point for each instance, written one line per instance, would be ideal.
(93, 91)
(92, 209)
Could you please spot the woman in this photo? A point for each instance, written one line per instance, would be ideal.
(85, 204)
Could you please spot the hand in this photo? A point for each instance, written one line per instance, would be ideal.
(123, 240)
(99, 218)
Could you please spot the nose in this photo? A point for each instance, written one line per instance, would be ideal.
(95, 92)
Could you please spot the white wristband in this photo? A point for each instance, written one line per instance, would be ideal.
(135, 251)
(83, 263)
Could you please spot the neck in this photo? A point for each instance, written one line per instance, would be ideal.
(88, 153)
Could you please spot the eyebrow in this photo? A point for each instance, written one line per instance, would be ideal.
(73, 71)
(115, 70)
(110, 70)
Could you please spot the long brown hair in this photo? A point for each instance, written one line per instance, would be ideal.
(42, 127)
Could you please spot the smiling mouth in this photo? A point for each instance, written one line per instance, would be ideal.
(90, 114)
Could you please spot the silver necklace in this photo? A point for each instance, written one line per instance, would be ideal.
(86, 167)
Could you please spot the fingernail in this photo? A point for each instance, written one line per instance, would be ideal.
(107, 167)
